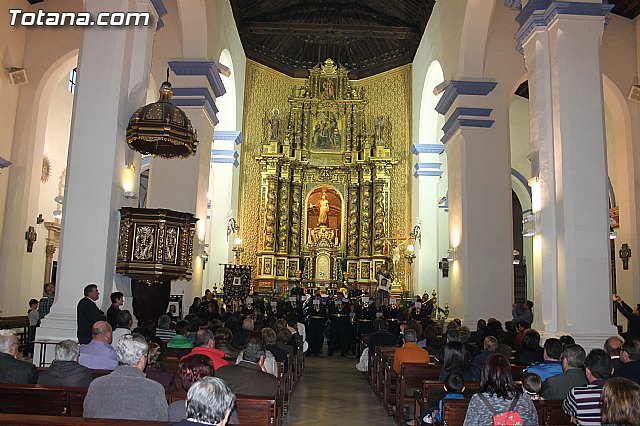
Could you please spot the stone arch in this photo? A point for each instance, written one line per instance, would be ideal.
(430, 124)
(193, 24)
(475, 31)
(226, 104)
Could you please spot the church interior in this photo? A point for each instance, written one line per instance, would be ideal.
(481, 150)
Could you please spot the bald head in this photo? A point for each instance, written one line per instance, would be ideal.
(612, 344)
(101, 331)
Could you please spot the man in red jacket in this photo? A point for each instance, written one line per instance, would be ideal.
(207, 346)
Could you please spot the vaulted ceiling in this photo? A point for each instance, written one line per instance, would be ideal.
(365, 36)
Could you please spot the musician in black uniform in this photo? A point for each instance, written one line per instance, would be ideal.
(339, 317)
(275, 310)
(316, 316)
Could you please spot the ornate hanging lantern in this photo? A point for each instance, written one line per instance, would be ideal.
(162, 128)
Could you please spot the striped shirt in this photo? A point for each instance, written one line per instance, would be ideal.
(165, 335)
(583, 403)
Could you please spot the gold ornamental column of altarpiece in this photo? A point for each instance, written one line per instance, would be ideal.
(323, 148)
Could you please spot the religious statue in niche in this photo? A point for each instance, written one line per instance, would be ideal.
(328, 89)
(326, 132)
(323, 209)
(274, 122)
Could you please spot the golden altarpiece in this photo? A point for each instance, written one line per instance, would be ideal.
(325, 187)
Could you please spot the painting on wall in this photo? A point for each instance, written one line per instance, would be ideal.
(326, 135)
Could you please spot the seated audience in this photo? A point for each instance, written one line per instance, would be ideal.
(155, 372)
(124, 321)
(126, 393)
(65, 370)
(530, 350)
(478, 336)
(190, 369)
(181, 339)
(490, 346)
(223, 338)
(410, 352)
(523, 312)
(522, 327)
(456, 362)
(583, 402)
(248, 377)
(270, 363)
(620, 402)
(240, 338)
(12, 370)
(269, 339)
(206, 345)
(150, 327)
(558, 387)
(209, 402)
(453, 386)
(99, 354)
(164, 331)
(497, 394)
(565, 339)
(612, 347)
(630, 357)
(465, 334)
(532, 385)
(510, 334)
(380, 336)
(551, 366)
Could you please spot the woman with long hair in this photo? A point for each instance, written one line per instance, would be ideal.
(499, 394)
(456, 361)
(620, 402)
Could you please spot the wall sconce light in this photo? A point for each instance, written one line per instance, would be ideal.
(613, 235)
(451, 254)
(536, 194)
(529, 232)
(128, 181)
(205, 258)
(528, 218)
(410, 254)
(516, 260)
(57, 213)
(237, 250)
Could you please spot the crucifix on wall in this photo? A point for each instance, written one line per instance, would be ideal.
(625, 254)
(31, 236)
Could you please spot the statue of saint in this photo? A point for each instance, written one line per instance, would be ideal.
(323, 209)
(275, 124)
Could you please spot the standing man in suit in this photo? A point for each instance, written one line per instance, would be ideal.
(11, 370)
(88, 313)
(248, 376)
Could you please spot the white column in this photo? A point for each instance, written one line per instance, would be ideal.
(480, 222)
(545, 269)
(182, 185)
(563, 57)
(113, 65)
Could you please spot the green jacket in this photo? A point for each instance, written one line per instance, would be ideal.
(180, 341)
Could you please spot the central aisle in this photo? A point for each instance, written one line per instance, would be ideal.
(332, 392)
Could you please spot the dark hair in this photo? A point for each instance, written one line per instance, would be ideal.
(632, 347)
(567, 340)
(524, 324)
(33, 302)
(89, 289)
(454, 383)
(481, 324)
(203, 336)
(182, 327)
(531, 339)
(292, 319)
(496, 377)
(123, 318)
(284, 336)
(529, 304)
(553, 348)
(415, 326)
(194, 324)
(253, 350)
(531, 382)
(599, 363)
(223, 335)
(454, 356)
(194, 367)
(380, 324)
(453, 335)
(575, 355)
(115, 296)
(620, 402)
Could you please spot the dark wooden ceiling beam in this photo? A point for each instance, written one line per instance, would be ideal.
(328, 31)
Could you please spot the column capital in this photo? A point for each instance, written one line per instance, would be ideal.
(427, 148)
(228, 135)
(427, 169)
(208, 69)
(456, 88)
(540, 13)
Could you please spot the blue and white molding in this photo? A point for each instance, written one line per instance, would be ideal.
(198, 97)
(207, 69)
(427, 169)
(538, 14)
(457, 88)
(466, 117)
(427, 148)
(225, 156)
(161, 10)
(228, 135)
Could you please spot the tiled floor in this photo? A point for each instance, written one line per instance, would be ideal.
(332, 392)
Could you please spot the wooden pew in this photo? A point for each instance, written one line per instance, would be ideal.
(431, 392)
(64, 401)
(389, 380)
(517, 372)
(28, 419)
(378, 367)
(411, 377)
(549, 412)
(20, 324)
